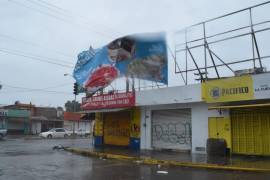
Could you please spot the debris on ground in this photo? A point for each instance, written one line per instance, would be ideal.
(59, 147)
(162, 172)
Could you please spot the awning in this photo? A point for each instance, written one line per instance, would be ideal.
(103, 110)
(239, 106)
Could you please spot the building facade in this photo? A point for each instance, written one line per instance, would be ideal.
(235, 109)
(77, 121)
(16, 121)
(29, 119)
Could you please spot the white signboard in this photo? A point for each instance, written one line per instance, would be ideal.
(261, 85)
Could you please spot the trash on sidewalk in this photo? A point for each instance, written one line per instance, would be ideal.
(59, 147)
(162, 172)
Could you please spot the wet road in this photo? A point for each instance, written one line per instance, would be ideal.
(27, 159)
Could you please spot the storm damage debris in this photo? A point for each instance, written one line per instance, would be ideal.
(59, 147)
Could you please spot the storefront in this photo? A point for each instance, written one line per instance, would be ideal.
(251, 131)
(117, 121)
(246, 129)
(17, 121)
(121, 128)
(177, 121)
(171, 129)
(117, 128)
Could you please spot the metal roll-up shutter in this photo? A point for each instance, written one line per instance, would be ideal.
(117, 128)
(251, 131)
(171, 129)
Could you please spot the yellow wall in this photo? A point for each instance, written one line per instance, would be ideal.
(98, 125)
(220, 127)
(135, 123)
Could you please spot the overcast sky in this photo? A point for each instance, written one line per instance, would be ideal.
(33, 31)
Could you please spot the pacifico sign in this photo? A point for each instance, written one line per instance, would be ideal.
(229, 89)
(107, 101)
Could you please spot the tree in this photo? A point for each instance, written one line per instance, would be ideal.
(69, 105)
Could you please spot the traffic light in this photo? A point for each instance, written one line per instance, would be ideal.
(75, 89)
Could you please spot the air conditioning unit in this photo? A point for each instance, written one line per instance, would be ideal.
(249, 71)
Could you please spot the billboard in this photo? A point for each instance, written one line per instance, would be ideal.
(142, 56)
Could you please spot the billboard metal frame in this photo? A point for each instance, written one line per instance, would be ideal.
(216, 61)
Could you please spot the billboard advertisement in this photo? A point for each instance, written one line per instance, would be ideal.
(142, 56)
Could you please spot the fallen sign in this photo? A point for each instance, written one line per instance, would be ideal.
(114, 100)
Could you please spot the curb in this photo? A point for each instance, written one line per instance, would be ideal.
(151, 161)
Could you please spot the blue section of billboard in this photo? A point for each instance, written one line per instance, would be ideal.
(142, 56)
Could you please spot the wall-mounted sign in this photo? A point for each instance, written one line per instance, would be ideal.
(249, 87)
(115, 100)
(261, 86)
(229, 89)
(142, 56)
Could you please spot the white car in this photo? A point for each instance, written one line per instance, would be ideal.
(82, 132)
(3, 133)
(56, 133)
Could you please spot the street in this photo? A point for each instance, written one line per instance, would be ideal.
(29, 158)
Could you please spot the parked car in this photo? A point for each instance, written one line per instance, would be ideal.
(56, 133)
(3, 133)
(82, 132)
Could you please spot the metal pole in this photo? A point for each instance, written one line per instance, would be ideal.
(74, 109)
(201, 76)
(186, 58)
(205, 55)
(213, 61)
(252, 40)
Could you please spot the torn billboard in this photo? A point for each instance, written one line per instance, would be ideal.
(142, 56)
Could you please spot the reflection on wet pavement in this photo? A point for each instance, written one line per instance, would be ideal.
(35, 159)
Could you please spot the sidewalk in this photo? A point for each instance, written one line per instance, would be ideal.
(235, 162)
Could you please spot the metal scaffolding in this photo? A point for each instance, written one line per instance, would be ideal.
(211, 65)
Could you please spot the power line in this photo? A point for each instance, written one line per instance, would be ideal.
(34, 89)
(59, 18)
(62, 10)
(38, 56)
(34, 44)
(50, 87)
(35, 58)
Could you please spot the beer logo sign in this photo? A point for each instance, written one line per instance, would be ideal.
(215, 93)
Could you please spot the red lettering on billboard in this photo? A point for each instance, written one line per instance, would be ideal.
(106, 101)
